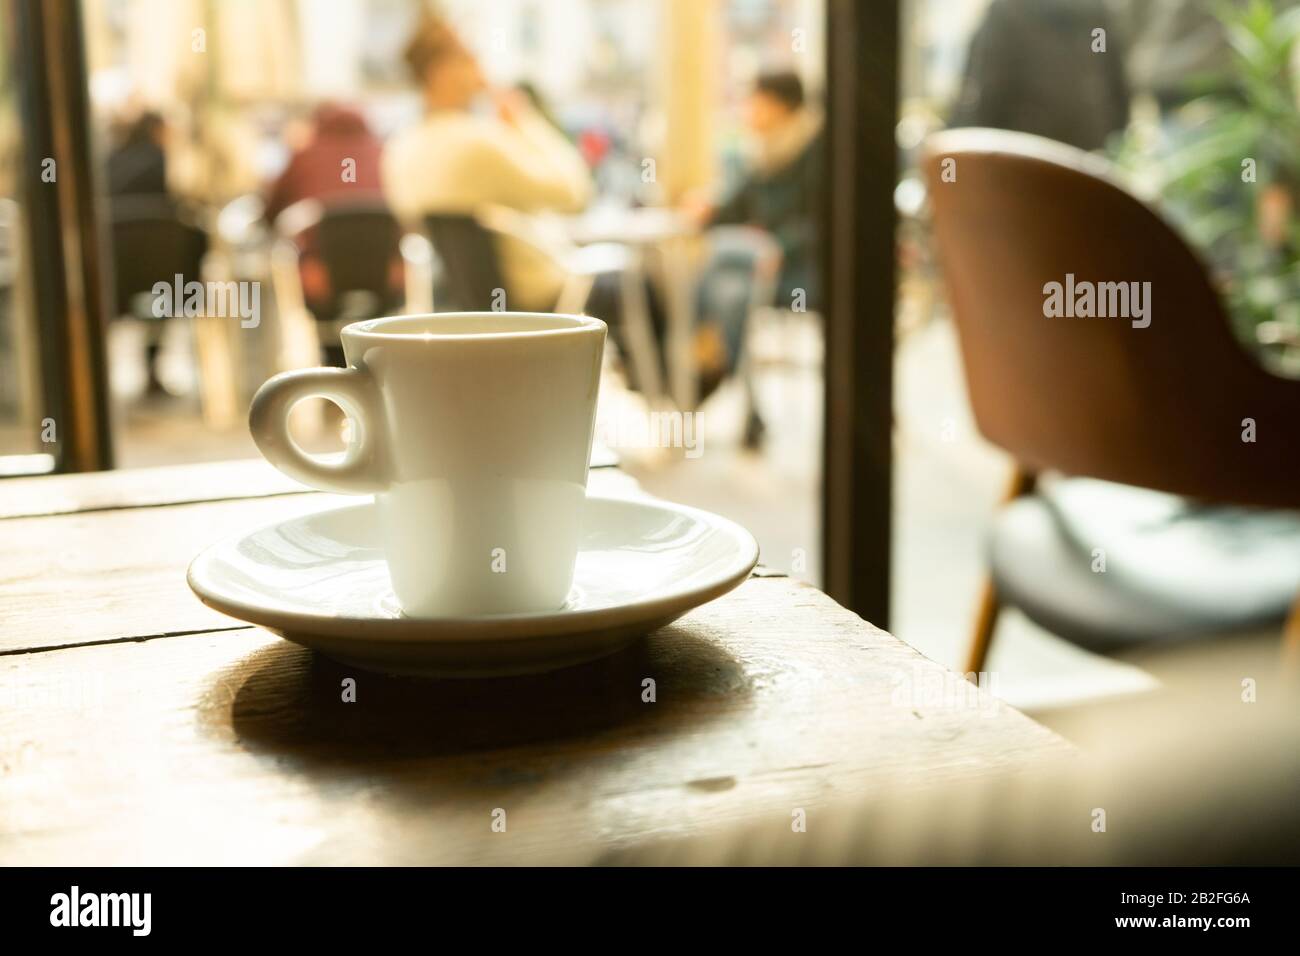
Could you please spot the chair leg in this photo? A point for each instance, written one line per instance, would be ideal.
(1291, 638)
(682, 374)
(640, 336)
(986, 620)
(745, 372)
(1020, 483)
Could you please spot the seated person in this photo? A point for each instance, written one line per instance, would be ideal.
(780, 194)
(137, 170)
(316, 171)
(137, 165)
(458, 161)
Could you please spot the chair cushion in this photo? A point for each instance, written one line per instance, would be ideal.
(1174, 570)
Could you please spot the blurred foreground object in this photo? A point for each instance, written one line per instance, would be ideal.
(1205, 773)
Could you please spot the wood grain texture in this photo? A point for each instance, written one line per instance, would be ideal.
(237, 747)
(165, 485)
(142, 487)
(138, 726)
(118, 573)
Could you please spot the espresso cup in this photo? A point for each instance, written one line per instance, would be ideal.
(473, 432)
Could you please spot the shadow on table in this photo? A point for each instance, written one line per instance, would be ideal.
(290, 701)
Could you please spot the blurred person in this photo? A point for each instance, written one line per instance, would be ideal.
(137, 165)
(315, 171)
(457, 160)
(137, 186)
(538, 102)
(1031, 68)
(780, 194)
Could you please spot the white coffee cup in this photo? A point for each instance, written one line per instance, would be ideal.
(473, 432)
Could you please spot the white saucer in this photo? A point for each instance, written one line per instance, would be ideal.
(320, 580)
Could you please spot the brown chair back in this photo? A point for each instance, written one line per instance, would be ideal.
(1160, 407)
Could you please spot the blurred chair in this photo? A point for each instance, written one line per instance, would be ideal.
(242, 240)
(1163, 407)
(471, 267)
(337, 263)
(154, 240)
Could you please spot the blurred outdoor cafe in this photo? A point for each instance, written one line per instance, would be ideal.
(686, 171)
(246, 143)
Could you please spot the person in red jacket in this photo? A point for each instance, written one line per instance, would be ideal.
(339, 162)
(316, 170)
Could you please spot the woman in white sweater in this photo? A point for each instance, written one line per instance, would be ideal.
(456, 161)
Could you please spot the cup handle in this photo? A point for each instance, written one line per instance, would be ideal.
(360, 472)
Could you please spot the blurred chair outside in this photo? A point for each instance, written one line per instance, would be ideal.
(360, 264)
(339, 262)
(156, 240)
(470, 268)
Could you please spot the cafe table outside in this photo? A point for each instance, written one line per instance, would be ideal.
(666, 232)
(138, 726)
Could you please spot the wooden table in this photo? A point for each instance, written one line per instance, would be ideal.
(138, 726)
